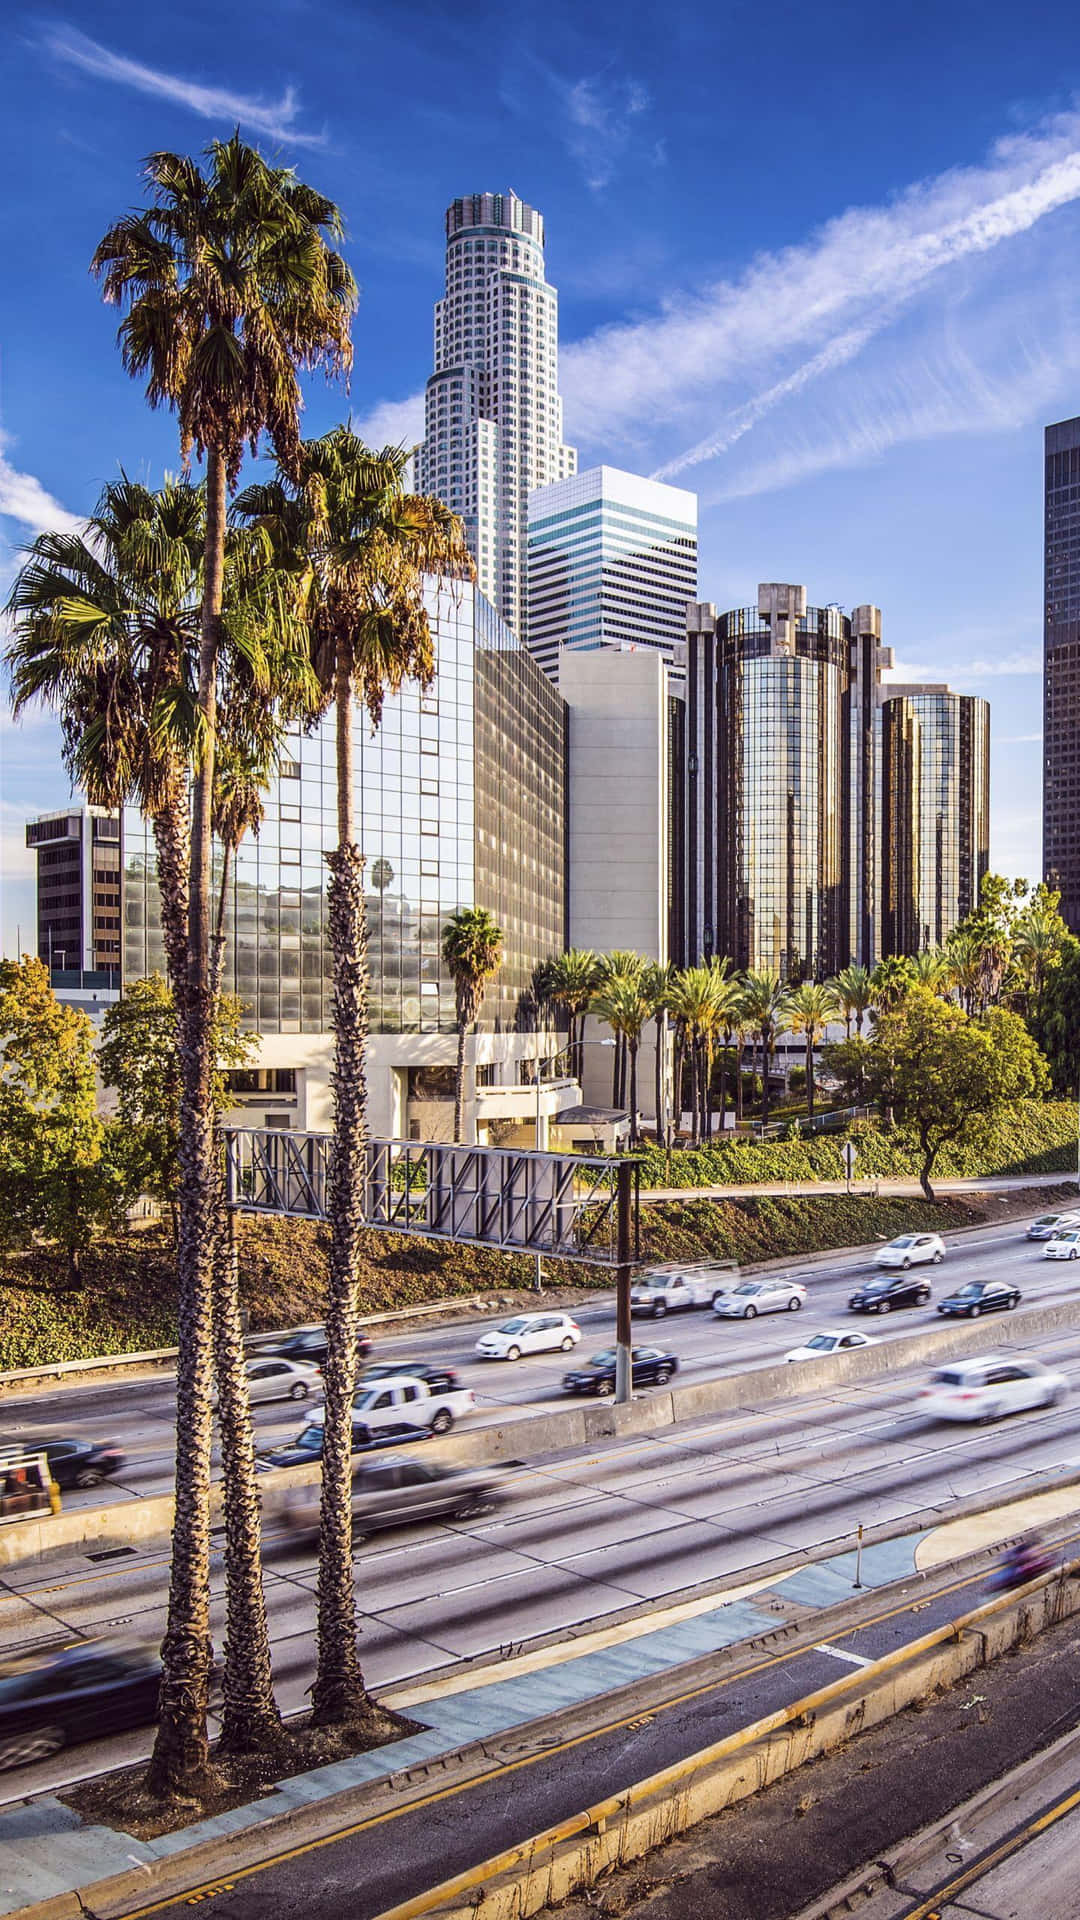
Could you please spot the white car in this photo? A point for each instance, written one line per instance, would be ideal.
(911, 1250)
(834, 1340)
(760, 1296)
(280, 1380)
(1063, 1246)
(529, 1333)
(990, 1387)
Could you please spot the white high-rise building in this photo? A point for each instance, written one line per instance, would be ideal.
(493, 426)
(612, 563)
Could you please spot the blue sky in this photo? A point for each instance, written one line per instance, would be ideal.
(818, 263)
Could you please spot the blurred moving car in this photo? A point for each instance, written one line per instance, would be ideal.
(649, 1367)
(1064, 1245)
(301, 1452)
(438, 1378)
(981, 1296)
(27, 1487)
(881, 1295)
(74, 1463)
(52, 1700)
(911, 1250)
(671, 1289)
(991, 1387)
(397, 1493)
(833, 1340)
(309, 1344)
(279, 1380)
(529, 1333)
(1049, 1224)
(760, 1296)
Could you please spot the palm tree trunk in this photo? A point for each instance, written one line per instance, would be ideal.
(459, 1080)
(658, 1080)
(338, 1694)
(764, 1078)
(695, 1130)
(724, 1080)
(172, 850)
(738, 1080)
(180, 1757)
(810, 1072)
(632, 1051)
(615, 1075)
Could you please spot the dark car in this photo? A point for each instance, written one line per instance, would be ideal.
(75, 1693)
(439, 1379)
(651, 1367)
(888, 1290)
(981, 1296)
(398, 1493)
(309, 1345)
(308, 1445)
(77, 1463)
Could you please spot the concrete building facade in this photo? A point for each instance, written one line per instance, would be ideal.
(78, 897)
(493, 417)
(612, 563)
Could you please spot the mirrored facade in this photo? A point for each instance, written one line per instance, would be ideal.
(935, 776)
(460, 801)
(1061, 667)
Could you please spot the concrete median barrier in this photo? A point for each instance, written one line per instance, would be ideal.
(578, 1424)
(548, 1868)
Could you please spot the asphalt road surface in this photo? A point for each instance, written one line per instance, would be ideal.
(138, 1415)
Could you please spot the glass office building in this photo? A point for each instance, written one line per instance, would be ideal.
(460, 801)
(1061, 667)
(935, 779)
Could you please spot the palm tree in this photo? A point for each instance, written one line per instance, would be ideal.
(624, 1003)
(472, 950)
(963, 951)
(890, 983)
(727, 1014)
(360, 548)
(570, 980)
(106, 631)
(852, 993)
(621, 964)
(1038, 937)
(693, 999)
(230, 288)
(808, 1009)
(657, 981)
(763, 997)
(931, 969)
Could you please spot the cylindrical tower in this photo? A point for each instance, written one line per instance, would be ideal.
(936, 813)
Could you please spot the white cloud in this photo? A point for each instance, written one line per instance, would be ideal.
(276, 118)
(394, 423)
(818, 302)
(23, 498)
(601, 116)
(1011, 665)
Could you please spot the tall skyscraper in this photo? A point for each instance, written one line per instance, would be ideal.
(493, 423)
(1061, 667)
(612, 562)
(935, 813)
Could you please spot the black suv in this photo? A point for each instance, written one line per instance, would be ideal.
(886, 1291)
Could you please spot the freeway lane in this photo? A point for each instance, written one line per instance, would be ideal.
(139, 1415)
(584, 1536)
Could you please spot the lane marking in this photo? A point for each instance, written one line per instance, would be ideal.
(840, 1653)
(945, 1894)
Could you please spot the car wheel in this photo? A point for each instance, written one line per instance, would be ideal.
(89, 1477)
(513, 1353)
(938, 1258)
(567, 1345)
(922, 1298)
(602, 1386)
(298, 1392)
(884, 1306)
(442, 1421)
(794, 1303)
(22, 1749)
(663, 1375)
(472, 1509)
(717, 1297)
(1058, 1397)
(990, 1414)
(1072, 1253)
(750, 1313)
(905, 1263)
(973, 1313)
(1012, 1301)
(659, 1310)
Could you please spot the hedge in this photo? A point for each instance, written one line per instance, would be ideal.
(1037, 1137)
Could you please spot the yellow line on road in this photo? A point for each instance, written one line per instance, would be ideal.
(930, 1908)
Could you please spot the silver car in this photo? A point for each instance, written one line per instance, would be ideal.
(1049, 1224)
(760, 1296)
(398, 1493)
(276, 1379)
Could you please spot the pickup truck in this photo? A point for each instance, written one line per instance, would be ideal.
(667, 1289)
(402, 1405)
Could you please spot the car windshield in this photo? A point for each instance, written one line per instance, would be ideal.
(821, 1342)
(748, 1288)
(876, 1286)
(971, 1292)
(1071, 1235)
(513, 1326)
(310, 1440)
(905, 1240)
(1048, 1219)
(604, 1359)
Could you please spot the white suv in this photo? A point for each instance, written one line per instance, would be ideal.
(529, 1333)
(990, 1387)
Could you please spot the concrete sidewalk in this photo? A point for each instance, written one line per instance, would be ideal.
(47, 1851)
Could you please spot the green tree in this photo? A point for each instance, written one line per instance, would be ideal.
(890, 982)
(1055, 1018)
(657, 985)
(621, 964)
(360, 550)
(1039, 936)
(931, 969)
(570, 980)
(949, 1076)
(623, 1002)
(698, 999)
(230, 289)
(808, 1010)
(472, 944)
(56, 1178)
(137, 1059)
(764, 996)
(853, 995)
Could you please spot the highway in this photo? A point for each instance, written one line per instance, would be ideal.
(138, 1414)
(581, 1537)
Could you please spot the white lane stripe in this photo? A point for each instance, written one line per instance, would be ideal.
(838, 1653)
